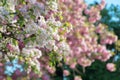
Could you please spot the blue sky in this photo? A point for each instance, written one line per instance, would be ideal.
(109, 2)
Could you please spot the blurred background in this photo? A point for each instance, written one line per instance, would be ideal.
(108, 2)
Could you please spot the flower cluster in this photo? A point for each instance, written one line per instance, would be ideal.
(29, 32)
(88, 37)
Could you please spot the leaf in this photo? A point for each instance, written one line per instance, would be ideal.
(67, 24)
(117, 45)
(33, 38)
(4, 2)
(15, 42)
(26, 40)
(24, 78)
(9, 78)
(22, 1)
(26, 64)
(0, 36)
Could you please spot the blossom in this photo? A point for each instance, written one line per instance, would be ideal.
(53, 6)
(77, 78)
(45, 77)
(13, 48)
(32, 1)
(31, 52)
(38, 38)
(111, 67)
(84, 62)
(73, 65)
(66, 72)
(50, 69)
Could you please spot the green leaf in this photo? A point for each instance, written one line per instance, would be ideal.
(0, 36)
(4, 2)
(22, 1)
(15, 42)
(33, 38)
(26, 64)
(26, 40)
(9, 78)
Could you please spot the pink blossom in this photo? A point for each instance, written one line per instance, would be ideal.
(87, 11)
(45, 77)
(66, 73)
(111, 67)
(102, 5)
(77, 78)
(1, 64)
(92, 19)
(106, 55)
(84, 62)
(73, 65)
(50, 69)
(9, 46)
(33, 75)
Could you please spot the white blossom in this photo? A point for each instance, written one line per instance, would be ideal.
(53, 5)
(42, 21)
(31, 52)
(32, 1)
